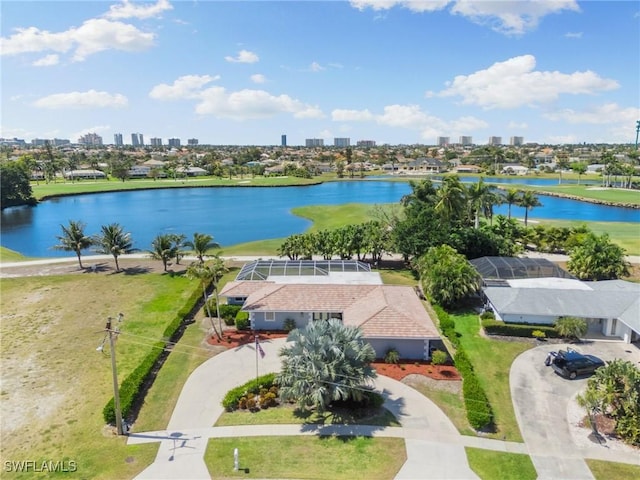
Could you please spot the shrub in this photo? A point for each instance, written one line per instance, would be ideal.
(438, 357)
(251, 403)
(487, 315)
(539, 334)
(495, 327)
(268, 400)
(392, 356)
(242, 320)
(229, 312)
(476, 403)
(289, 324)
(571, 327)
(250, 388)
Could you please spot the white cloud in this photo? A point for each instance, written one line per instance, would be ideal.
(511, 18)
(514, 83)
(129, 10)
(244, 56)
(573, 35)
(411, 117)
(606, 114)
(316, 67)
(82, 100)
(507, 17)
(94, 35)
(258, 78)
(47, 61)
(185, 87)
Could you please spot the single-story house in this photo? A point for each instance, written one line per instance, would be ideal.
(390, 316)
(536, 291)
(84, 173)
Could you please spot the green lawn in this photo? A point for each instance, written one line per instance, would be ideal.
(492, 360)
(307, 457)
(616, 195)
(45, 190)
(627, 235)
(54, 382)
(7, 255)
(490, 465)
(613, 471)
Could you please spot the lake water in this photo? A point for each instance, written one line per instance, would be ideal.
(231, 214)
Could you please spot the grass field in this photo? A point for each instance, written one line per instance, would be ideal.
(7, 255)
(54, 382)
(505, 466)
(335, 458)
(615, 195)
(491, 361)
(613, 471)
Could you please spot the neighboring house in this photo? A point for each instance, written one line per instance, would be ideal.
(526, 290)
(87, 173)
(467, 169)
(390, 316)
(515, 170)
(192, 171)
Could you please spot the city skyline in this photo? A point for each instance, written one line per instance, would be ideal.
(395, 72)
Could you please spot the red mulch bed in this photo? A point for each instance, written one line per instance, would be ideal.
(402, 369)
(233, 338)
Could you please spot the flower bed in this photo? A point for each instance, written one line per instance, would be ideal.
(400, 370)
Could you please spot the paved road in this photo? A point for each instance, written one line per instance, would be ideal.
(434, 447)
(541, 399)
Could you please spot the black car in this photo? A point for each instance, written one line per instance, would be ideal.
(571, 364)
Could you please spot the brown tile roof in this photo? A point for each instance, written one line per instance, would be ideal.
(242, 288)
(382, 311)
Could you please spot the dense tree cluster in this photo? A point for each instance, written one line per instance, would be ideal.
(15, 187)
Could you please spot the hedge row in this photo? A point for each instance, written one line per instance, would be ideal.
(495, 327)
(130, 387)
(479, 412)
(233, 396)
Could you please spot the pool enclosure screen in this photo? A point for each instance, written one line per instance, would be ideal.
(262, 269)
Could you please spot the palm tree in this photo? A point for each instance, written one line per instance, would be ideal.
(201, 244)
(511, 197)
(115, 241)
(480, 199)
(209, 275)
(163, 248)
(73, 239)
(326, 362)
(528, 200)
(452, 197)
(178, 240)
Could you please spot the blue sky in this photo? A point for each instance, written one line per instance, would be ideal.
(397, 72)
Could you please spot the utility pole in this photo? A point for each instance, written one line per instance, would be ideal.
(113, 335)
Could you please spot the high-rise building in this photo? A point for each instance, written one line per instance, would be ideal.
(366, 143)
(156, 142)
(443, 141)
(466, 140)
(314, 142)
(495, 141)
(342, 142)
(192, 141)
(283, 140)
(516, 141)
(137, 140)
(90, 139)
(117, 139)
(174, 142)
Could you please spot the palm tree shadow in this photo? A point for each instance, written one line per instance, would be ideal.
(137, 270)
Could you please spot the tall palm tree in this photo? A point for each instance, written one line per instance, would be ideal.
(163, 248)
(73, 239)
(480, 197)
(528, 200)
(178, 240)
(113, 240)
(452, 198)
(201, 244)
(511, 197)
(209, 275)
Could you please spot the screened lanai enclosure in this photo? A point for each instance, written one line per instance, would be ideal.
(263, 269)
(496, 270)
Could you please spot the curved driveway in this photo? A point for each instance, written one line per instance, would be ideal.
(434, 447)
(541, 398)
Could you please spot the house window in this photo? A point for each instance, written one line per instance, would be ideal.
(270, 316)
(326, 315)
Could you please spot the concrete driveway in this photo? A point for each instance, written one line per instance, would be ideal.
(541, 398)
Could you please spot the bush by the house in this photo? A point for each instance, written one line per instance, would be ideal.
(487, 315)
(447, 325)
(232, 399)
(496, 327)
(228, 313)
(392, 356)
(476, 403)
(538, 334)
(289, 324)
(242, 320)
(438, 357)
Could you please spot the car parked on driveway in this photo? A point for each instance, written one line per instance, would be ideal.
(571, 364)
